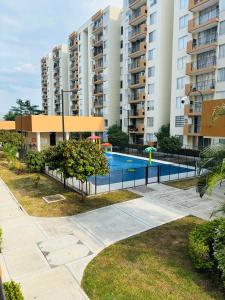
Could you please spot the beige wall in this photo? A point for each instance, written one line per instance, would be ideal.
(7, 125)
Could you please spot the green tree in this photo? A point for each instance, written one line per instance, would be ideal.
(80, 159)
(13, 139)
(164, 132)
(170, 144)
(117, 137)
(23, 107)
(35, 161)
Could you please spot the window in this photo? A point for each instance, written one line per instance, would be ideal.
(179, 121)
(121, 30)
(106, 123)
(121, 57)
(121, 110)
(151, 88)
(183, 22)
(150, 122)
(183, 4)
(152, 36)
(222, 27)
(151, 54)
(153, 18)
(121, 84)
(180, 83)
(182, 42)
(151, 72)
(150, 137)
(121, 97)
(150, 105)
(221, 74)
(152, 2)
(222, 51)
(181, 63)
(179, 104)
(121, 44)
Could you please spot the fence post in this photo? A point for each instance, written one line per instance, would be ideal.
(122, 179)
(95, 185)
(109, 181)
(158, 175)
(146, 175)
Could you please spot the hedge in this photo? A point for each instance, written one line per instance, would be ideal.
(207, 246)
(12, 291)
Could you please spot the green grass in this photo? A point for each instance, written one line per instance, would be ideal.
(30, 197)
(183, 184)
(150, 266)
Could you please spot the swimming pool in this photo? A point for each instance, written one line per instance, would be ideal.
(125, 168)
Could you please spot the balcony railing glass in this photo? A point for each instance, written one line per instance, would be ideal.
(203, 85)
(206, 17)
(204, 63)
(207, 40)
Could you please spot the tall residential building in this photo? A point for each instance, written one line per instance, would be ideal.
(73, 74)
(198, 70)
(60, 78)
(148, 32)
(44, 84)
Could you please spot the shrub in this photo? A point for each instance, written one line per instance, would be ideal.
(117, 137)
(207, 246)
(36, 180)
(12, 291)
(35, 161)
(170, 144)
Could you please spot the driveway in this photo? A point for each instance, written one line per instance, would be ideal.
(48, 255)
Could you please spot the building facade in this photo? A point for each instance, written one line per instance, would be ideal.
(198, 69)
(147, 67)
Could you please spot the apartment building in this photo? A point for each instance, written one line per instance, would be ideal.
(198, 70)
(44, 84)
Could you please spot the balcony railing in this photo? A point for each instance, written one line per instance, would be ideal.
(195, 108)
(204, 85)
(97, 26)
(210, 39)
(98, 102)
(204, 63)
(203, 19)
(98, 77)
(194, 129)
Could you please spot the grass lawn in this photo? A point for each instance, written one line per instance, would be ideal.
(152, 265)
(30, 197)
(183, 184)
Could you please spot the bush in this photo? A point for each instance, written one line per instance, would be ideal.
(170, 144)
(207, 247)
(117, 137)
(12, 291)
(35, 161)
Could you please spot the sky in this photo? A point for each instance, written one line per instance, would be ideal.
(29, 29)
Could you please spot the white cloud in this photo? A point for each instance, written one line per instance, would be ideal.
(27, 68)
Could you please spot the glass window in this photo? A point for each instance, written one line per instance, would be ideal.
(151, 105)
(151, 88)
(183, 4)
(151, 54)
(181, 63)
(150, 122)
(152, 2)
(221, 74)
(222, 27)
(153, 18)
(152, 36)
(222, 4)
(222, 51)
(182, 42)
(179, 104)
(151, 72)
(179, 121)
(180, 83)
(183, 22)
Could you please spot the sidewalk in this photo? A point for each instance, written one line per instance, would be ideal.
(48, 255)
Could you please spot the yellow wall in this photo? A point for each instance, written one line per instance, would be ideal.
(43, 123)
(7, 125)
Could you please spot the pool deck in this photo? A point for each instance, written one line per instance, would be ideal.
(48, 255)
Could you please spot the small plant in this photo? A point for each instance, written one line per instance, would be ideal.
(12, 291)
(36, 180)
(10, 154)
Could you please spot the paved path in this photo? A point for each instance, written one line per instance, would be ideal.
(48, 255)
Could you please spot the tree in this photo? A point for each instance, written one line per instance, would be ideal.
(23, 107)
(80, 159)
(11, 138)
(117, 137)
(169, 144)
(35, 161)
(164, 132)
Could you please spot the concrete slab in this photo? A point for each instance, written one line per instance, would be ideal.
(24, 262)
(109, 224)
(56, 284)
(9, 211)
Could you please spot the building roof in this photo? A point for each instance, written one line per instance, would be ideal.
(42, 123)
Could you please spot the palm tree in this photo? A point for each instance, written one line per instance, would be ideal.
(213, 160)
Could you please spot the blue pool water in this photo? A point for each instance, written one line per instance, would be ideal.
(127, 168)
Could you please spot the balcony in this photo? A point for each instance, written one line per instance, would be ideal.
(97, 28)
(138, 66)
(193, 109)
(98, 67)
(134, 4)
(138, 33)
(193, 130)
(206, 87)
(138, 114)
(197, 46)
(97, 42)
(201, 66)
(73, 45)
(198, 5)
(98, 54)
(199, 24)
(98, 103)
(138, 129)
(98, 79)
(98, 92)
(137, 50)
(138, 16)
(74, 97)
(140, 82)
(75, 107)
(140, 97)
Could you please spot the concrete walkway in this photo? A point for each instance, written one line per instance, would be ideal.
(48, 255)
